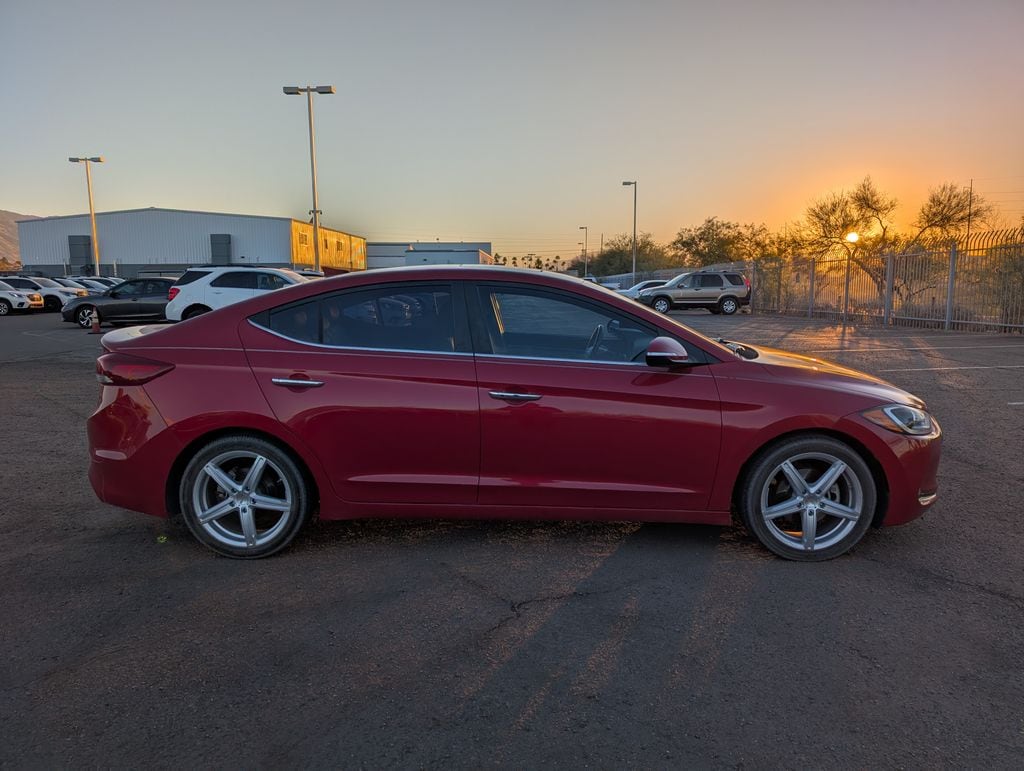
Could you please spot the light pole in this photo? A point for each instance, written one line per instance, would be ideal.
(851, 238)
(586, 233)
(92, 210)
(627, 184)
(309, 91)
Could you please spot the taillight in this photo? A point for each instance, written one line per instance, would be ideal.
(172, 293)
(125, 370)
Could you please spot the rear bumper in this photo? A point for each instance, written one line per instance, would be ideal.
(131, 451)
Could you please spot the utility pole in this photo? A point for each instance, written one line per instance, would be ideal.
(92, 209)
(309, 91)
(585, 234)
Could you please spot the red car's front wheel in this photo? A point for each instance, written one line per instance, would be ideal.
(809, 498)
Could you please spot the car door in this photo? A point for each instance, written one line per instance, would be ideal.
(231, 287)
(153, 299)
(123, 302)
(380, 383)
(571, 415)
(711, 286)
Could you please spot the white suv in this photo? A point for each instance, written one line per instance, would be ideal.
(54, 295)
(201, 290)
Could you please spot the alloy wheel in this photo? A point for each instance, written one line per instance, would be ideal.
(243, 499)
(811, 501)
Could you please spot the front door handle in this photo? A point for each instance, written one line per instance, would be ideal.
(291, 382)
(508, 396)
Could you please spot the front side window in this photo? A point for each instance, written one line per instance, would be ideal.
(392, 318)
(235, 279)
(131, 288)
(526, 322)
(269, 281)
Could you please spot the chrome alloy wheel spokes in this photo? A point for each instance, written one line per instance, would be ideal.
(242, 499)
(811, 501)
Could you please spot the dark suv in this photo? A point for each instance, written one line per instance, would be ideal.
(720, 291)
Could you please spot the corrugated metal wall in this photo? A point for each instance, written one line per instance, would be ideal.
(158, 237)
(338, 250)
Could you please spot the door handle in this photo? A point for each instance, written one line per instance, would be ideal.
(291, 382)
(508, 396)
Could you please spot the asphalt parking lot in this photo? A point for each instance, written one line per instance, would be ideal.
(427, 644)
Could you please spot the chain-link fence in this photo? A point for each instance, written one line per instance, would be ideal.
(950, 288)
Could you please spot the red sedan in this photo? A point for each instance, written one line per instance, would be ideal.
(494, 393)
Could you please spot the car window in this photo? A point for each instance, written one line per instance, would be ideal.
(397, 318)
(20, 283)
(5, 287)
(131, 289)
(735, 279)
(525, 322)
(711, 280)
(191, 275)
(151, 288)
(235, 279)
(270, 281)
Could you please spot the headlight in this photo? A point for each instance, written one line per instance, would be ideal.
(902, 419)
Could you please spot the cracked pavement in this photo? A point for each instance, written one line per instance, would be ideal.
(516, 644)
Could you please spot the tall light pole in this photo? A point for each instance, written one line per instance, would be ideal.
(309, 91)
(851, 238)
(586, 233)
(627, 184)
(92, 210)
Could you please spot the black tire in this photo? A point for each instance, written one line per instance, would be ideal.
(193, 311)
(83, 316)
(280, 481)
(728, 305)
(662, 304)
(51, 304)
(5, 307)
(766, 485)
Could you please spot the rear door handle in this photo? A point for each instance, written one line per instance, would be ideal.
(508, 396)
(291, 382)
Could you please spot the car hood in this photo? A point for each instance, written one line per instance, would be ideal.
(828, 374)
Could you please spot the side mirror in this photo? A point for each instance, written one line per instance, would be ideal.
(666, 352)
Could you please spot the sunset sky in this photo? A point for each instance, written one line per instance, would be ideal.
(514, 122)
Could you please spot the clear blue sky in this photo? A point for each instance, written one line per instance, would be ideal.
(510, 121)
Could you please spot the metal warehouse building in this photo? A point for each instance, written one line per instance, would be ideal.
(169, 240)
(391, 254)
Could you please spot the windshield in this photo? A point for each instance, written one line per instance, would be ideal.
(69, 282)
(7, 287)
(678, 280)
(46, 282)
(297, 277)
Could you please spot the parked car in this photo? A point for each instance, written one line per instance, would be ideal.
(634, 291)
(12, 299)
(141, 299)
(106, 281)
(88, 286)
(720, 291)
(54, 295)
(201, 290)
(514, 394)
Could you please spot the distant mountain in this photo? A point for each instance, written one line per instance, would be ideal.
(9, 255)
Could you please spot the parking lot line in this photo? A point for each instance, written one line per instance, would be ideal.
(918, 348)
(936, 369)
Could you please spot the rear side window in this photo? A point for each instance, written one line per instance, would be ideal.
(735, 279)
(397, 318)
(711, 280)
(235, 279)
(190, 276)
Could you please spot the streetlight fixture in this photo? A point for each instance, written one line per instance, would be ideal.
(627, 184)
(309, 91)
(851, 238)
(92, 210)
(586, 233)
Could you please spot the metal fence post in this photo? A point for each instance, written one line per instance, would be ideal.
(754, 284)
(810, 293)
(846, 291)
(890, 281)
(951, 285)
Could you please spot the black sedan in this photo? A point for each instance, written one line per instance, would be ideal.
(141, 299)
